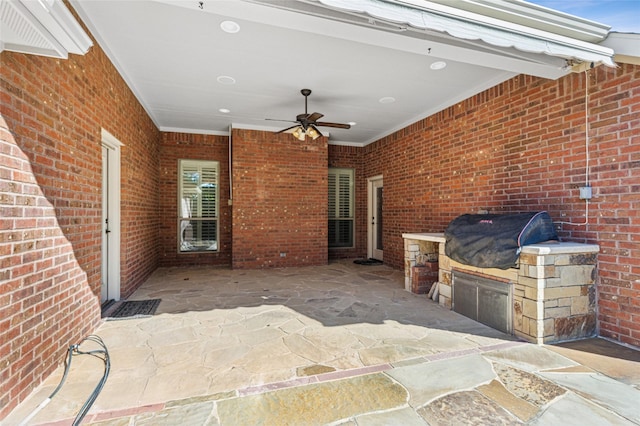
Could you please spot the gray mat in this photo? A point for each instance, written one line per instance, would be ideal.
(134, 309)
(367, 262)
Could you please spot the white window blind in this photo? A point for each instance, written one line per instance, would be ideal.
(341, 207)
(198, 191)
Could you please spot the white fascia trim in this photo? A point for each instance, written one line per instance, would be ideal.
(401, 11)
(73, 37)
(512, 28)
(258, 127)
(535, 16)
(241, 126)
(58, 21)
(342, 143)
(627, 44)
(194, 131)
(455, 13)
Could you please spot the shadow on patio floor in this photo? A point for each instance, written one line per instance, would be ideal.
(316, 345)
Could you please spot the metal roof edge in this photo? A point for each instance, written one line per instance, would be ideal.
(625, 45)
(502, 24)
(423, 14)
(536, 16)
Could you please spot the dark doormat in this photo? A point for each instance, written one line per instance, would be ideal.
(133, 309)
(367, 262)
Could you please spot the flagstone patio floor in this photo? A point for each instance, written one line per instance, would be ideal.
(340, 344)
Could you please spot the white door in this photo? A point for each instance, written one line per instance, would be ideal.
(104, 290)
(110, 271)
(375, 196)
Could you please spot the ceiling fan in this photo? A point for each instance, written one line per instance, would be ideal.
(307, 124)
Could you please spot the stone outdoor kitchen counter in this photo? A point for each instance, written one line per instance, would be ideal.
(552, 291)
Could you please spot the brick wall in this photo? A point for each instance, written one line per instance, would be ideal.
(279, 200)
(39, 274)
(177, 146)
(50, 184)
(520, 146)
(350, 157)
(279, 203)
(140, 216)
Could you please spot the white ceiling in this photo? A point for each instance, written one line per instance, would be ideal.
(171, 53)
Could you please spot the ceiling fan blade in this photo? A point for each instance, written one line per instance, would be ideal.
(307, 122)
(315, 116)
(288, 128)
(336, 125)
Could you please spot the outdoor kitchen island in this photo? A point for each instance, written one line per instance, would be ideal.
(549, 297)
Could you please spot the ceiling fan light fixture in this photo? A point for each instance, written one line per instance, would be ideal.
(299, 133)
(313, 133)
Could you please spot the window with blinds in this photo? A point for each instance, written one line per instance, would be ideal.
(341, 207)
(197, 206)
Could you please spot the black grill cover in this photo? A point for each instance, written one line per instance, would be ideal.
(494, 240)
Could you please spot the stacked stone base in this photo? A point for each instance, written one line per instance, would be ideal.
(553, 293)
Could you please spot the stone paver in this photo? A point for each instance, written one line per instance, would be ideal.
(530, 358)
(604, 391)
(520, 408)
(340, 344)
(315, 404)
(574, 410)
(528, 386)
(402, 416)
(202, 413)
(466, 408)
(597, 354)
(427, 381)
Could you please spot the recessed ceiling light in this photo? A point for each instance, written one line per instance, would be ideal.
(224, 110)
(438, 65)
(387, 100)
(225, 79)
(229, 27)
(352, 123)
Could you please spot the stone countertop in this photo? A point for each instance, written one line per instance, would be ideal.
(560, 247)
(437, 237)
(550, 247)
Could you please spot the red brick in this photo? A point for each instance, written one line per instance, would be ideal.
(34, 139)
(516, 146)
(532, 159)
